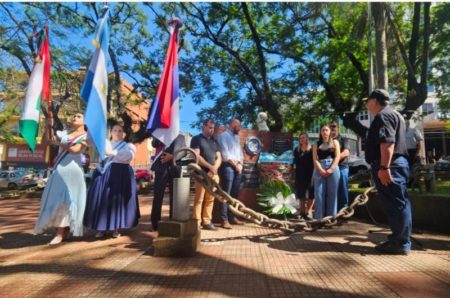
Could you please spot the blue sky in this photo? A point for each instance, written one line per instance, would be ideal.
(188, 110)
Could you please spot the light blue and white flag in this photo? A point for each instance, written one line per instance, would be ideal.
(95, 87)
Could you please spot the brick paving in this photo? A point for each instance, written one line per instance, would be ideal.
(247, 261)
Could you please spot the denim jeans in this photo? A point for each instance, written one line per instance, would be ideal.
(230, 181)
(394, 198)
(343, 188)
(326, 190)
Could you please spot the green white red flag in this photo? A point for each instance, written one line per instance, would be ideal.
(38, 89)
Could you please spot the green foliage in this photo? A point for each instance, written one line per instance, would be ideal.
(6, 135)
(268, 190)
(440, 47)
(308, 61)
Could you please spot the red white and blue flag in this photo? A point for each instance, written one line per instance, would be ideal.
(163, 119)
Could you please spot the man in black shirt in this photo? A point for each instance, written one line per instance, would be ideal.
(165, 172)
(209, 158)
(387, 153)
(343, 165)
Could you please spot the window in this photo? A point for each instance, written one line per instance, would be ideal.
(363, 115)
(427, 108)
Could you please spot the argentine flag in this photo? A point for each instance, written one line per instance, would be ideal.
(95, 87)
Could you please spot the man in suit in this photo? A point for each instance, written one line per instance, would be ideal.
(165, 171)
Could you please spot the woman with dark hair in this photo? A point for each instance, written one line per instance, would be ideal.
(64, 197)
(112, 201)
(304, 167)
(326, 154)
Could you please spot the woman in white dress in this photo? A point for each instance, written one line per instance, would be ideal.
(64, 198)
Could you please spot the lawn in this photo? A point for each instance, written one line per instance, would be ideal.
(442, 186)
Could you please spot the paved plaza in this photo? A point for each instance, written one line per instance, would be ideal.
(247, 261)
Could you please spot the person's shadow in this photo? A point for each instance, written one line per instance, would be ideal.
(13, 240)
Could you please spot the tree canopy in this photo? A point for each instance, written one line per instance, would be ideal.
(296, 61)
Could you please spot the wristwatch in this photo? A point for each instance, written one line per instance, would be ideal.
(384, 168)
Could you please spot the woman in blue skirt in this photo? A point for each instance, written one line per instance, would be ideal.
(112, 201)
(64, 197)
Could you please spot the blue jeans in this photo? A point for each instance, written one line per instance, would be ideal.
(394, 198)
(230, 180)
(343, 188)
(325, 191)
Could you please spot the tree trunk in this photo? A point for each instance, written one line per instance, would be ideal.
(380, 44)
(268, 102)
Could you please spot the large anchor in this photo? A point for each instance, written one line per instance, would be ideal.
(240, 210)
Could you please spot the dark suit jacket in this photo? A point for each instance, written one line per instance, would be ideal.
(158, 166)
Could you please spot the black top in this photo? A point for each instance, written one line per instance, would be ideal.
(343, 142)
(325, 154)
(208, 148)
(388, 126)
(303, 162)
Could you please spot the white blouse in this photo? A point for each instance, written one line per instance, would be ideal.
(124, 155)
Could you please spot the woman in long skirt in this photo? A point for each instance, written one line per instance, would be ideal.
(112, 201)
(64, 197)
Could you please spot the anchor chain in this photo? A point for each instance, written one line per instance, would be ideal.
(240, 210)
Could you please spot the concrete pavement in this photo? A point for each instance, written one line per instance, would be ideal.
(247, 261)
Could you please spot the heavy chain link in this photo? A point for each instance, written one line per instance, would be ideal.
(291, 226)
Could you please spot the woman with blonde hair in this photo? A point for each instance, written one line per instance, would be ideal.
(304, 168)
(326, 154)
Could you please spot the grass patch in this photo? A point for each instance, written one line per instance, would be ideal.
(442, 187)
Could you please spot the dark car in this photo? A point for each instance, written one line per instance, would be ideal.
(442, 164)
(143, 175)
(358, 165)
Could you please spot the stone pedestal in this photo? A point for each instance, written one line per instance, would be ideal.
(181, 192)
(177, 239)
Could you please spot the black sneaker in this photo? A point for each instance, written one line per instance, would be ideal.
(209, 227)
(390, 249)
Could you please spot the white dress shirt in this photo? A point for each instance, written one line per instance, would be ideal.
(124, 155)
(230, 146)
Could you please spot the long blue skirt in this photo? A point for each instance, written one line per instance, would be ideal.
(112, 201)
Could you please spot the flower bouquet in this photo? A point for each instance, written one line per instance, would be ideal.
(277, 197)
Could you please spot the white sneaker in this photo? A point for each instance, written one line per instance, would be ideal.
(116, 234)
(100, 234)
(56, 240)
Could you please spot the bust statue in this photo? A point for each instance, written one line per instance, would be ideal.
(261, 121)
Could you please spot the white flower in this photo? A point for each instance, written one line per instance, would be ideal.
(278, 202)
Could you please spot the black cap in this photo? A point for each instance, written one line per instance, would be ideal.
(380, 95)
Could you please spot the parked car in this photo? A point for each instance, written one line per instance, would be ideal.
(442, 164)
(357, 165)
(14, 180)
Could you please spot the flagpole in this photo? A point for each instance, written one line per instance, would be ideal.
(49, 100)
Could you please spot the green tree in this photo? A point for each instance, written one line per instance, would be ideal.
(439, 58)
